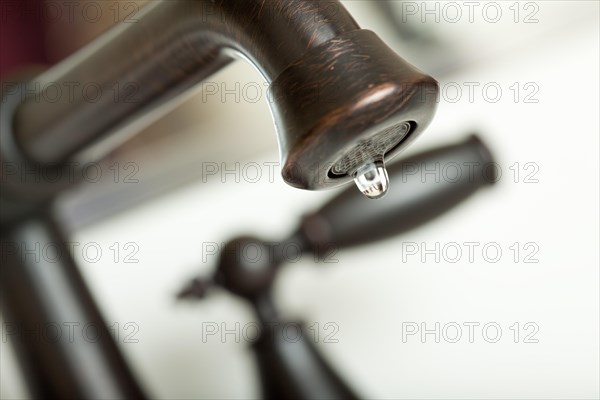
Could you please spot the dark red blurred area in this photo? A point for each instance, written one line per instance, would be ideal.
(22, 35)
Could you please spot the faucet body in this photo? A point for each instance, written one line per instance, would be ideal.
(339, 98)
(334, 87)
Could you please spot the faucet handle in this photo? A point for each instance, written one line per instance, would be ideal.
(248, 266)
(348, 103)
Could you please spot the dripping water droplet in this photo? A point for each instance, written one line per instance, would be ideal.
(372, 180)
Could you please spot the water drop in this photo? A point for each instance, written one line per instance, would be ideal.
(372, 180)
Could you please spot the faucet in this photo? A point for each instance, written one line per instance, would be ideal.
(342, 101)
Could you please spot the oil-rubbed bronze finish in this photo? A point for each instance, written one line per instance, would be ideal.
(335, 86)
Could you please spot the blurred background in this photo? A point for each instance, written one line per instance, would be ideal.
(523, 75)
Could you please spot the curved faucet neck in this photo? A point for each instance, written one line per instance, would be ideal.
(171, 47)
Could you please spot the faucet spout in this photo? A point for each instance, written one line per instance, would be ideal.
(339, 94)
